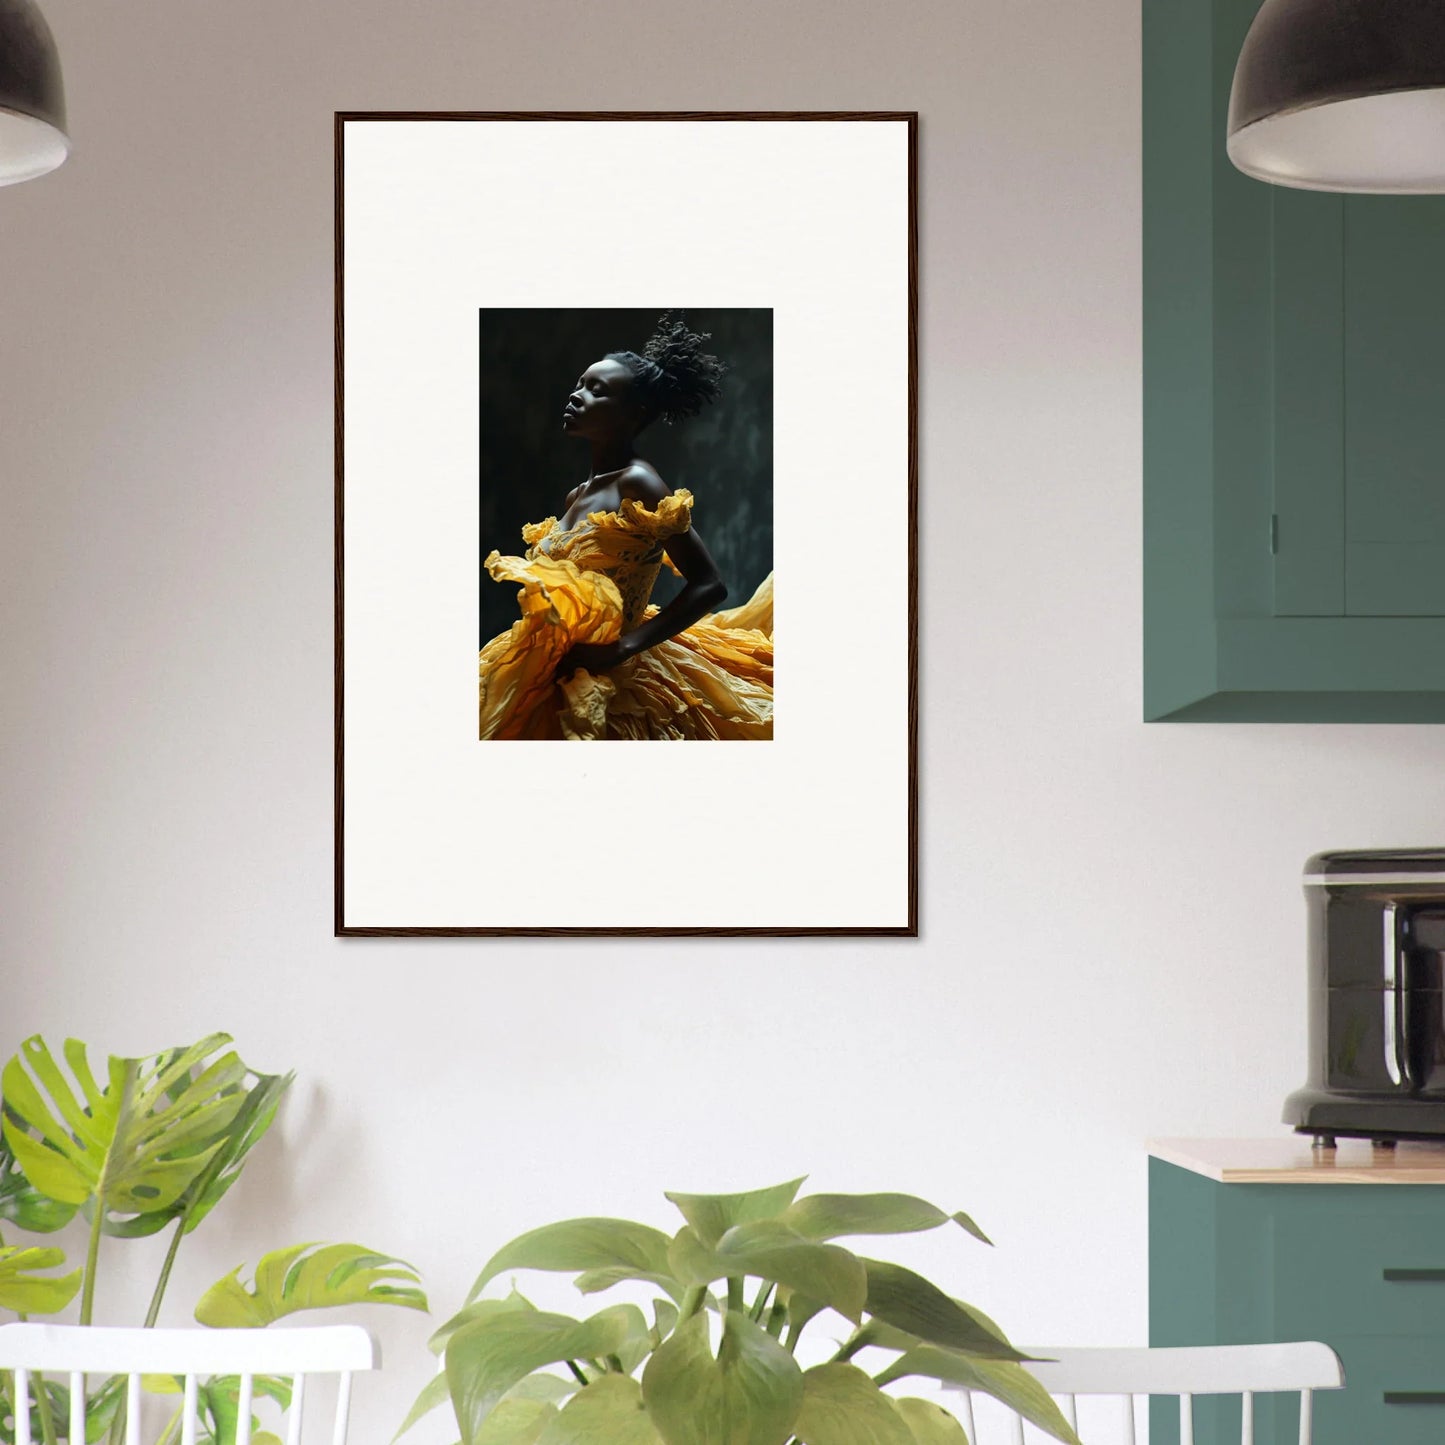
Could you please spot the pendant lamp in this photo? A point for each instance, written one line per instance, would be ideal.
(1342, 95)
(32, 101)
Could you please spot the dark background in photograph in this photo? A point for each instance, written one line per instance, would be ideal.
(530, 362)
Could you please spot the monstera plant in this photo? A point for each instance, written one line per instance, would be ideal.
(151, 1144)
(714, 1359)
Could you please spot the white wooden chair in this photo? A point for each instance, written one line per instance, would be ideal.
(76, 1351)
(1185, 1371)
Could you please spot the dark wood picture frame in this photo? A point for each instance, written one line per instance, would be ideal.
(909, 929)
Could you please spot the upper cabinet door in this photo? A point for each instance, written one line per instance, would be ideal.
(1359, 385)
(1294, 413)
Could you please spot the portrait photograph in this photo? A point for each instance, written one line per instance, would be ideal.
(625, 504)
(623, 398)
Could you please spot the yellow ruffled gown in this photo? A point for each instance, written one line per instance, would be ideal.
(591, 583)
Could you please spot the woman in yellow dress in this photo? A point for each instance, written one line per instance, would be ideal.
(590, 658)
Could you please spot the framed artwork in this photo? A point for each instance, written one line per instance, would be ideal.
(611, 387)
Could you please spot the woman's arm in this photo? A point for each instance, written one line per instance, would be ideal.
(704, 591)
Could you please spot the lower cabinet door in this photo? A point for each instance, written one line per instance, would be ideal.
(1359, 1273)
(1394, 1392)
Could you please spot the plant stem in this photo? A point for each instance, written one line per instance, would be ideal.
(572, 1365)
(153, 1313)
(92, 1258)
(692, 1302)
(848, 1348)
(42, 1403)
(756, 1313)
(777, 1318)
(117, 1421)
(171, 1427)
(735, 1292)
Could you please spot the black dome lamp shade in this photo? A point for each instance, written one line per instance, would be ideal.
(32, 101)
(1342, 95)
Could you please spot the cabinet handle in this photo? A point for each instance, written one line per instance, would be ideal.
(1415, 1397)
(1396, 1275)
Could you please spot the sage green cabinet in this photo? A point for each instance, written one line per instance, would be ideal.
(1359, 1266)
(1294, 420)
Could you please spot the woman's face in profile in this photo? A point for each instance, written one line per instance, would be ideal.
(602, 404)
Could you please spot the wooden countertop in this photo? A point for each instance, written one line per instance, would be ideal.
(1291, 1159)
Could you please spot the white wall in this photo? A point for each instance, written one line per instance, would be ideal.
(1112, 919)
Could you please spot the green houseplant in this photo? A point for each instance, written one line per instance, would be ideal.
(766, 1266)
(152, 1144)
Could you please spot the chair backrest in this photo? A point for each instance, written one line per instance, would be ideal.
(1185, 1371)
(196, 1355)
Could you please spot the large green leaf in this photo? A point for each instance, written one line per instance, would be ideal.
(749, 1394)
(28, 1292)
(525, 1424)
(593, 1281)
(308, 1277)
(57, 1399)
(253, 1118)
(909, 1302)
(1002, 1379)
(888, 1337)
(691, 1261)
(712, 1215)
(516, 1421)
(772, 1251)
(433, 1395)
(101, 1406)
(665, 1317)
(22, 1204)
(842, 1406)
(486, 1357)
(219, 1401)
(831, 1216)
(930, 1424)
(542, 1386)
(132, 1147)
(581, 1244)
(477, 1310)
(608, 1412)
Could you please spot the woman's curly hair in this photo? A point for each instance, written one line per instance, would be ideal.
(674, 376)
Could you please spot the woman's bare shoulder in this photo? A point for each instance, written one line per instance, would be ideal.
(642, 483)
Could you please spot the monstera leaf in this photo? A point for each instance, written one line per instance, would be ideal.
(102, 1405)
(131, 1147)
(22, 1204)
(253, 1118)
(218, 1405)
(309, 1277)
(28, 1292)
